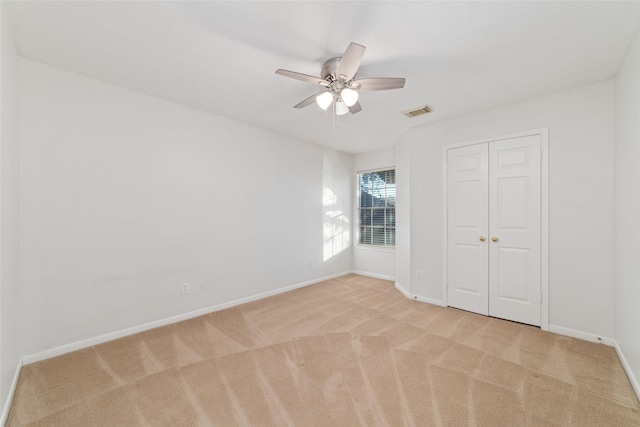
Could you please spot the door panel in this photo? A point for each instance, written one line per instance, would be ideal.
(512, 200)
(467, 207)
(512, 281)
(514, 220)
(465, 278)
(467, 194)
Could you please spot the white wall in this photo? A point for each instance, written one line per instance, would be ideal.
(627, 208)
(581, 133)
(371, 261)
(10, 316)
(126, 196)
(403, 214)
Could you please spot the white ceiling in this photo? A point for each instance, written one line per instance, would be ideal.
(221, 57)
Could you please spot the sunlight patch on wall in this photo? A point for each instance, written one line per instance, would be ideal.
(336, 225)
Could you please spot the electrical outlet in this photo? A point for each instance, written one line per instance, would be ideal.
(185, 288)
(419, 274)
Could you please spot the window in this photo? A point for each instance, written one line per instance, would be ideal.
(377, 208)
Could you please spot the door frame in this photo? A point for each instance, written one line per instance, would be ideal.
(544, 215)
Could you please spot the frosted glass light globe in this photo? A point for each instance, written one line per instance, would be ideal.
(324, 100)
(341, 108)
(349, 96)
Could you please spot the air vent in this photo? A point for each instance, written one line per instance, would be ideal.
(417, 111)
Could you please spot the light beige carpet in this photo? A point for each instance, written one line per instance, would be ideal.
(347, 352)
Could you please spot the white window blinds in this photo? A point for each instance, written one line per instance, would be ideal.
(377, 208)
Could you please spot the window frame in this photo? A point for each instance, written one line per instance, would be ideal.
(384, 209)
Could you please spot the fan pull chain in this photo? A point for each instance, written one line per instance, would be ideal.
(336, 118)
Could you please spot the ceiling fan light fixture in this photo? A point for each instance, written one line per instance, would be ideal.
(324, 100)
(339, 87)
(349, 96)
(341, 107)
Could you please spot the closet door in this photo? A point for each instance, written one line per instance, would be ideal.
(514, 224)
(467, 226)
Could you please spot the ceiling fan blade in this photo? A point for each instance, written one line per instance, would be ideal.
(310, 100)
(378, 83)
(350, 61)
(304, 77)
(355, 108)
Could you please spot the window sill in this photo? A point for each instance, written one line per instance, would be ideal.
(376, 248)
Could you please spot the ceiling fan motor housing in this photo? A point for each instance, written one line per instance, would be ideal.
(330, 68)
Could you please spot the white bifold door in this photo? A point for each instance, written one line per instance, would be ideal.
(493, 228)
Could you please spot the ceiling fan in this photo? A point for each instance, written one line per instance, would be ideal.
(338, 76)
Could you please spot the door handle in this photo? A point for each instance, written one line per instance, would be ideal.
(482, 238)
(494, 239)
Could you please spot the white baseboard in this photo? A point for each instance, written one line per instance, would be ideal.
(374, 275)
(418, 297)
(12, 391)
(432, 301)
(627, 368)
(79, 345)
(402, 290)
(582, 335)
